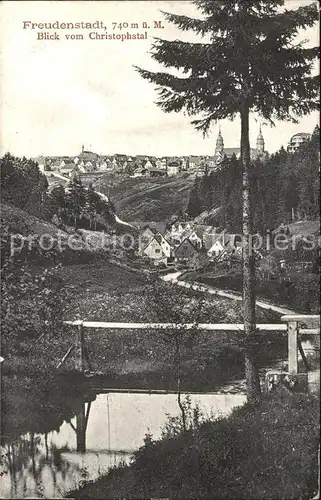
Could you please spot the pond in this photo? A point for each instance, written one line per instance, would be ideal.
(102, 432)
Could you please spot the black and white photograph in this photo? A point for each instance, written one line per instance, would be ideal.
(160, 249)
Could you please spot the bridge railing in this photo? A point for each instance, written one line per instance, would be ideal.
(294, 325)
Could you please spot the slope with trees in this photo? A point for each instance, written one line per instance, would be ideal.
(286, 188)
(25, 187)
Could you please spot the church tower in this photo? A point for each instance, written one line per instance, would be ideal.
(260, 141)
(219, 144)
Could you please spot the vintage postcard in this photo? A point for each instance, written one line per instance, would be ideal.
(160, 249)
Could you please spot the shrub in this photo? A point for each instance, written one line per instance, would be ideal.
(268, 451)
(32, 303)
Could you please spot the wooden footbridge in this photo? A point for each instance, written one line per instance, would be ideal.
(296, 326)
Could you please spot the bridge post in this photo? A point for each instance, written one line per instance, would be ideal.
(79, 347)
(81, 429)
(293, 347)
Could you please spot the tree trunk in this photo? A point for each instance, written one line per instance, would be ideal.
(178, 364)
(292, 215)
(251, 371)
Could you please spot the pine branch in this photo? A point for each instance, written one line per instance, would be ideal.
(185, 23)
(251, 58)
(198, 58)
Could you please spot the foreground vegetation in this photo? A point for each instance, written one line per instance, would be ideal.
(268, 451)
(34, 337)
(299, 291)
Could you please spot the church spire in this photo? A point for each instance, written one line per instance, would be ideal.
(82, 148)
(219, 143)
(260, 141)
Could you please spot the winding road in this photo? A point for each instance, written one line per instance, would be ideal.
(174, 278)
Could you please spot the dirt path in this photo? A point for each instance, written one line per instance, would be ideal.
(174, 278)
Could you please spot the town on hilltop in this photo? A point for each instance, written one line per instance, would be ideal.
(152, 166)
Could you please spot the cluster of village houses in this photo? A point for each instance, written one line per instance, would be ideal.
(146, 166)
(193, 245)
(88, 162)
(188, 244)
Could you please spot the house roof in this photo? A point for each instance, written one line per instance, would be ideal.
(206, 160)
(69, 165)
(150, 241)
(184, 224)
(186, 240)
(159, 238)
(154, 226)
(301, 134)
(67, 170)
(202, 229)
(187, 233)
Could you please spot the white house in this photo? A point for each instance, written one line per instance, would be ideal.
(231, 243)
(158, 247)
(163, 162)
(148, 164)
(216, 248)
(102, 166)
(172, 170)
(144, 238)
(68, 170)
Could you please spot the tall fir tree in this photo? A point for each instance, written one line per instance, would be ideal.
(92, 205)
(56, 202)
(76, 200)
(248, 63)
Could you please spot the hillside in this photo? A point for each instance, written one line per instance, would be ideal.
(305, 228)
(141, 199)
(27, 227)
(18, 221)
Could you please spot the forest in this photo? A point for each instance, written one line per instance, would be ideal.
(25, 187)
(286, 188)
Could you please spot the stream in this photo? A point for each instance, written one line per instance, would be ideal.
(57, 434)
(102, 431)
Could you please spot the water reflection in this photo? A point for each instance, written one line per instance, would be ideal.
(102, 434)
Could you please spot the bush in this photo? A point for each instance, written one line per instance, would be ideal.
(32, 303)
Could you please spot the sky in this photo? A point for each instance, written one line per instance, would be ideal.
(56, 95)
